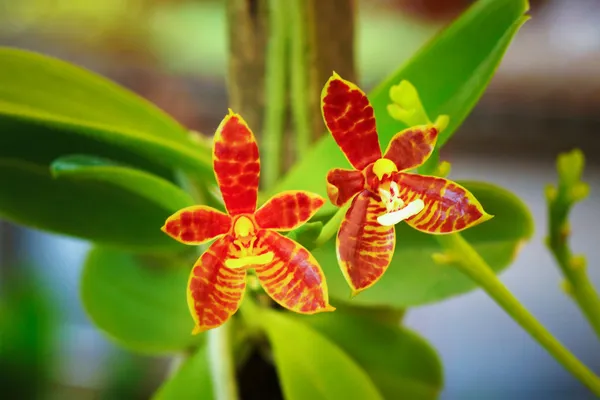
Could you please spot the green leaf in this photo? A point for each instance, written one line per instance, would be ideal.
(112, 205)
(414, 278)
(192, 380)
(401, 363)
(138, 301)
(310, 366)
(450, 74)
(49, 108)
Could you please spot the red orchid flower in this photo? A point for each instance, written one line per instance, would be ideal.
(382, 193)
(247, 238)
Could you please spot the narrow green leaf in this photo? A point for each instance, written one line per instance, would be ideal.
(49, 108)
(450, 74)
(138, 301)
(414, 277)
(191, 380)
(81, 168)
(401, 363)
(312, 367)
(115, 206)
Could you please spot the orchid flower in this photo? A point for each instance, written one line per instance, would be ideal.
(247, 238)
(380, 190)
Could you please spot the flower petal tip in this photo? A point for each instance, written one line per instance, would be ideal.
(328, 308)
(335, 75)
(197, 329)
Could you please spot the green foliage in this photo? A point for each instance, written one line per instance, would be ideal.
(414, 277)
(49, 108)
(450, 74)
(191, 380)
(138, 301)
(310, 366)
(400, 363)
(112, 205)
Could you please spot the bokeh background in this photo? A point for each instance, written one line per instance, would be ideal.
(544, 99)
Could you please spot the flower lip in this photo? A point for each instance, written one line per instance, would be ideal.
(383, 167)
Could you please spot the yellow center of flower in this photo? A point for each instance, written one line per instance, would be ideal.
(383, 167)
(244, 232)
(397, 209)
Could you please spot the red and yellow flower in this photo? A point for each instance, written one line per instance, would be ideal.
(381, 192)
(247, 238)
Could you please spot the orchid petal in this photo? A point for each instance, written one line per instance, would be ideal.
(343, 184)
(237, 165)
(288, 210)
(350, 119)
(293, 279)
(412, 147)
(364, 247)
(197, 224)
(449, 207)
(214, 291)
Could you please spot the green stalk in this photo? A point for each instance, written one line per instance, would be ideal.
(468, 261)
(560, 202)
(331, 227)
(300, 80)
(275, 93)
(221, 363)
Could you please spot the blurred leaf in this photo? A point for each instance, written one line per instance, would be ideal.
(138, 301)
(114, 206)
(450, 74)
(310, 366)
(414, 278)
(28, 325)
(401, 363)
(49, 108)
(81, 168)
(192, 380)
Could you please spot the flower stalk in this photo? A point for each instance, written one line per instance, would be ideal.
(469, 262)
(561, 200)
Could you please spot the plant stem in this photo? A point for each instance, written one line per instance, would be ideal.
(221, 363)
(573, 268)
(299, 70)
(275, 93)
(331, 227)
(471, 264)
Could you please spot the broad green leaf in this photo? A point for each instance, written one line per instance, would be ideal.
(114, 206)
(49, 108)
(138, 301)
(401, 363)
(450, 74)
(414, 278)
(191, 380)
(310, 366)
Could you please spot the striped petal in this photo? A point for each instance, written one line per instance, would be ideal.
(288, 210)
(449, 207)
(214, 291)
(293, 279)
(412, 147)
(237, 165)
(350, 119)
(364, 247)
(197, 224)
(343, 184)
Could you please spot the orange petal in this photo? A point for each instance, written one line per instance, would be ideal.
(349, 117)
(288, 210)
(412, 147)
(343, 184)
(214, 291)
(364, 247)
(449, 207)
(197, 224)
(293, 279)
(237, 165)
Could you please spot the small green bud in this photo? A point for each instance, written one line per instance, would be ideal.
(577, 262)
(443, 258)
(551, 192)
(443, 169)
(579, 191)
(566, 287)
